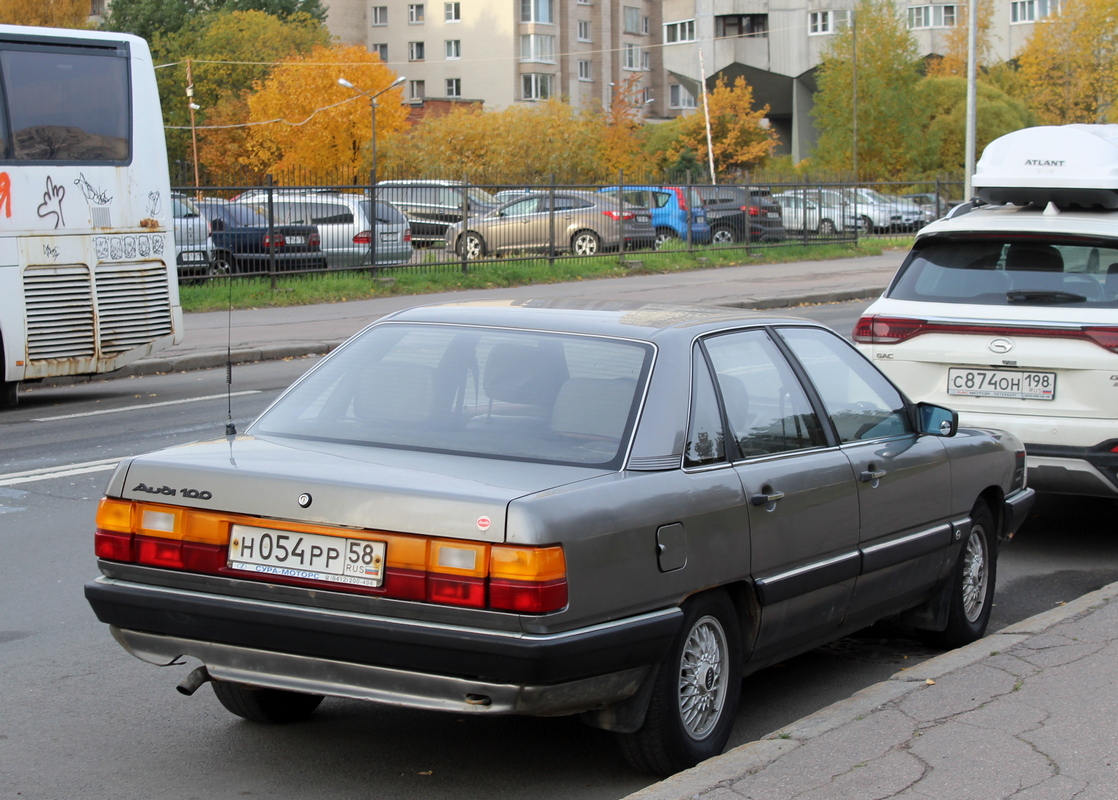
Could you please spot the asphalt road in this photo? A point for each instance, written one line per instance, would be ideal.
(79, 718)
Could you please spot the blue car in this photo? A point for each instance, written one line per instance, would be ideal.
(674, 209)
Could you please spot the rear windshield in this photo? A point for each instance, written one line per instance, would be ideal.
(1010, 271)
(65, 104)
(494, 393)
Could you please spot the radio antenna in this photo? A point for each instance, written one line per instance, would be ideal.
(230, 428)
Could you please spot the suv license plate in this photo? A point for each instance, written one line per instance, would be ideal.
(1001, 383)
(309, 556)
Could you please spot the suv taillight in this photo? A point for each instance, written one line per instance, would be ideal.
(681, 198)
(753, 211)
(872, 329)
(616, 215)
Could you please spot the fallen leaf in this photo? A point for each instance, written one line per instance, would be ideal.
(930, 682)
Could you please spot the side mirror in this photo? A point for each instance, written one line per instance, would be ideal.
(937, 420)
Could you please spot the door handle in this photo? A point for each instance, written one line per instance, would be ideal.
(765, 499)
(871, 475)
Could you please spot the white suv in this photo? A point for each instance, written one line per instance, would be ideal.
(1009, 313)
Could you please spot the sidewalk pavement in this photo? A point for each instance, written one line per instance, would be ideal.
(1027, 713)
(272, 333)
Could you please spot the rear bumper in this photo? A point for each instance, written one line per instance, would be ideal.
(391, 660)
(1073, 470)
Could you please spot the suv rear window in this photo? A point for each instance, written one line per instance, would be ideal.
(1011, 271)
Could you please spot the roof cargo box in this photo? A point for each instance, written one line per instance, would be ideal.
(1069, 165)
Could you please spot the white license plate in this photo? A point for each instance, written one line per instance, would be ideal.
(1001, 383)
(306, 555)
(295, 239)
(193, 256)
(772, 214)
(643, 218)
(388, 237)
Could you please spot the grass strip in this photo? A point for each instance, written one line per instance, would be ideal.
(342, 285)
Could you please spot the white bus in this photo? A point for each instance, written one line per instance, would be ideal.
(87, 260)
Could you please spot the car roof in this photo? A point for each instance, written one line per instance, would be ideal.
(1013, 219)
(625, 319)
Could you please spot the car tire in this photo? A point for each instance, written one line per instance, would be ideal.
(827, 228)
(265, 705)
(972, 585)
(867, 225)
(9, 394)
(695, 696)
(221, 266)
(722, 235)
(663, 236)
(586, 243)
(471, 246)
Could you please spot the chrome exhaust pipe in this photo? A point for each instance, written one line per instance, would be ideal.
(192, 682)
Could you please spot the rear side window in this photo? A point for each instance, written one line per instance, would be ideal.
(65, 104)
(1008, 271)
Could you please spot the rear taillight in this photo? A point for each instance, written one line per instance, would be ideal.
(618, 215)
(314, 240)
(680, 196)
(753, 211)
(407, 235)
(525, 580)
(872, 329)
(274, 240)
(365, 237)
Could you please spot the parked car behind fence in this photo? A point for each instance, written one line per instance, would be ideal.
(432, 206)
(245, 242)
(677, 211)
(741, 213)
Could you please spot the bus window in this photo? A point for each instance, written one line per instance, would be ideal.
(65, 106)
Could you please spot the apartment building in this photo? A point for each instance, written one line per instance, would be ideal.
(503, 52)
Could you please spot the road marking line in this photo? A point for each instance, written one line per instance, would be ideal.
(146, 405)
(49, 473)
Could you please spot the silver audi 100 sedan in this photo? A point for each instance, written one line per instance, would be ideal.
(557, 507)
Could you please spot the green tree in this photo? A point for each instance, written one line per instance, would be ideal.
(890, 119)
(1070, 64)
(147, 18)
(46, 13)
(945, 135)
(229, 52)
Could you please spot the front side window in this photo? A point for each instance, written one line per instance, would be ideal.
(861, 403)
(537, 47)
(766, 407)
(472, 391)
(679, 31)
(71, 105)
(536, 86)
(537, 11)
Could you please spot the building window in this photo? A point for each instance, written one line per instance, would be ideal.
(679, 31)
(537, 47)
(734, 25)
(415, 14)
(536, 86)
(453, 48)
(584, 70)
(380, 15)
(452, 12)
(453, 87)
(584, 30)
(584, 2)
(537, 11)
(634, 57)
(931, 17)
(824, 22)
(417, 90)
(381, 50)
(635, 21)
(1032, 10)
(679, 97)
(415, 51)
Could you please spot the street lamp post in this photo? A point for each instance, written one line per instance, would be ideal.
(373, 168)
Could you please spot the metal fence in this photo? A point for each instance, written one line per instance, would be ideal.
(267, 229)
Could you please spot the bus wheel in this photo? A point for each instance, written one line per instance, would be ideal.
(9, 396)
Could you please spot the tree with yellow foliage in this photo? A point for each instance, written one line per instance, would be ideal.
(46, 13)
(301, 118)
(740, 137)
(1070, 65)
(621, 150)
(953, 60)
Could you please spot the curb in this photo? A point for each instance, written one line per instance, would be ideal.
(757, 755)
